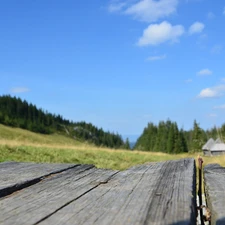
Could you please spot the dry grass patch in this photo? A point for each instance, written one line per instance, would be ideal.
(22, 145)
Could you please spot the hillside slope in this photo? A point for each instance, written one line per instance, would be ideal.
(17, 136)
(16, 112)
(24, 146)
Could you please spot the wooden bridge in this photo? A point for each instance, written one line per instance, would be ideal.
(156, 193)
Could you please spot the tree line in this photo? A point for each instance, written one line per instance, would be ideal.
(164, 137)
(16, 112)
(167, 137)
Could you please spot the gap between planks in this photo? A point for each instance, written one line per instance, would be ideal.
(63, 206)
(137, 188)
(8, 191)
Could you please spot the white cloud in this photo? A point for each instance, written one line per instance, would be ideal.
(19, 90)
(219, 107)
(204, 72)
(208, 93)
(196, 27)
(224, 11)
(213, 92)
(156, 34)
(145, 10)
(188, 81)
(115, 7)
(152, 10)
(156, 57)
(223, 79)
(216, 49)
(212, 115)
(210, 15)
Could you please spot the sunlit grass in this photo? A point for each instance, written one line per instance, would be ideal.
(20, 136)
(22, 145)
(101, 158)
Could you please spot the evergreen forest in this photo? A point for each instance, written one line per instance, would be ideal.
(167, 137)
(16, 112)
(163, 137)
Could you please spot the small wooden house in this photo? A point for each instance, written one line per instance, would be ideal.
(218, 149)
(218, 141)
(212, 147)
(207, 146)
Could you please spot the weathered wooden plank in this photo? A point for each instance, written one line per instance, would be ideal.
(39, 201)
(214, 178)
(157, 194)
(16, 175)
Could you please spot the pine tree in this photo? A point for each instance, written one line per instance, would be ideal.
(183, 141)
(170, 141)
(127, 144)
(197, 138)
(159, 143)
(177, 139)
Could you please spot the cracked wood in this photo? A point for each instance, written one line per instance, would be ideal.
(154, 193)
(15, 175)
(214, 178)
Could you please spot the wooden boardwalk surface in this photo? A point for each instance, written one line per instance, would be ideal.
(156, 193)
(214, 177)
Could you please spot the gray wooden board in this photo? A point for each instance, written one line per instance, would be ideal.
(38, 201)
(14, 174)
(156, 194)
(214, 178)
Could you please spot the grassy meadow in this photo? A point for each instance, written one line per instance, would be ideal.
(25, 146)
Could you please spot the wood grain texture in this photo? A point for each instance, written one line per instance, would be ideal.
(16, 175)
(156, 194)
(38, 201)
(214, 178)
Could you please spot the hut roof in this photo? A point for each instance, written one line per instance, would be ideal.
(218, 147)
(208, 144)
(218, 141)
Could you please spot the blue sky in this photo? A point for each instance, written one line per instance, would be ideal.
(118, 64)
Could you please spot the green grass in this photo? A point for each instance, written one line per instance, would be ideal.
(17, 136)
(102, 158)
(24, 146)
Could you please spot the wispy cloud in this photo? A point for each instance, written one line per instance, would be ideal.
(213, 92)
(204, 72)
(224, 11)
(145, 10)
(210, 15)
(116, 7)
(151, 11)
(156, 34)
(156, 57)
(196, 27)
(216, 49)
(19, 90)
(219, 107)
(212, 115)
(188, 81)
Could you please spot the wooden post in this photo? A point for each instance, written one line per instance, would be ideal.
(200, 162)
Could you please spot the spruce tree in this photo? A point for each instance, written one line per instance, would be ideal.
(127, 144)
(170, 141)
(197, 138)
